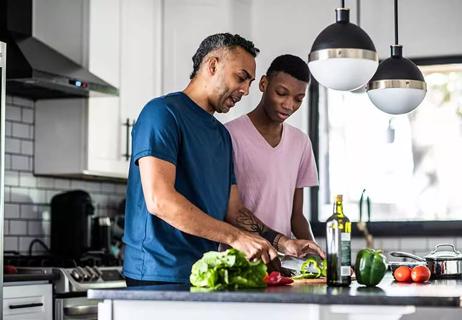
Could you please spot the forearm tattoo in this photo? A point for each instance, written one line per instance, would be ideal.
(247, 221)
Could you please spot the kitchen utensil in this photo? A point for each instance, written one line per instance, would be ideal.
(442, 263)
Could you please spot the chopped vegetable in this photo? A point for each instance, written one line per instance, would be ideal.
(313, 267)
(227, 270)
(276, 279)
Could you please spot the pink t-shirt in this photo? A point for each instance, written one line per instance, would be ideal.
(267, 177)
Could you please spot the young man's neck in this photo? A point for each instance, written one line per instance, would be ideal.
(195, 91)
(262, 121)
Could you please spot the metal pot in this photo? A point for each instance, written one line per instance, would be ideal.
(442, 263)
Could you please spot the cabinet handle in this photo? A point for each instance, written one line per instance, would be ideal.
(127, 126)
(26, 305)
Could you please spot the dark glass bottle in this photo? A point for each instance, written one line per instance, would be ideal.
(338, 237)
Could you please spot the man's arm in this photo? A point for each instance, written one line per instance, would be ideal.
(162, 200)
(241, 217)
(300, 226)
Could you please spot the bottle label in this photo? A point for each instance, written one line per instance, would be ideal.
(345, 271)
(346, 253)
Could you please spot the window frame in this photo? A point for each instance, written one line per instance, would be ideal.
(435, 228)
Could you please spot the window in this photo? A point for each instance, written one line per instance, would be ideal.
(410, 165)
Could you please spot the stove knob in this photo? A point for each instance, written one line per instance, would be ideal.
(84, 273)
(93, 275)
(76, 275)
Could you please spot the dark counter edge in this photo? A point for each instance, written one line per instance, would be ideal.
(29, 277)
(265, 297)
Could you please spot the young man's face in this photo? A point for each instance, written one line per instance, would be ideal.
(235, 71)
(282, 95)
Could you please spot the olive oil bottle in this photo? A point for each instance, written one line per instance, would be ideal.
(338, 236)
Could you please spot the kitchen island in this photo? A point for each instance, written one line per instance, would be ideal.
(389, 300)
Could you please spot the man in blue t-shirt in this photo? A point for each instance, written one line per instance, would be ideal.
(182, 198)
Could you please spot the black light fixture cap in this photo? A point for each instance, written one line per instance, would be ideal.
(343, 35)
(397, 68)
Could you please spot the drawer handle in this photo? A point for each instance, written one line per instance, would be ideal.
(80, 310)
(26, 305)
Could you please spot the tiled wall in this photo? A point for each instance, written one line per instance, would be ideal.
(27, 198)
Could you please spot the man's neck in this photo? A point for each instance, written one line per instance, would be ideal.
(264, 123)
(269, 129)
(195, 91)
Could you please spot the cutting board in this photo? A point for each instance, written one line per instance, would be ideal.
(309, 281)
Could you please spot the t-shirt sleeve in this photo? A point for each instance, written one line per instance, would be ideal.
(232, 173)
(155, 134)
(307, 172)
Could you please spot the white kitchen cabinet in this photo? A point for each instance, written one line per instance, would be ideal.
(27, 301)
(88, 137)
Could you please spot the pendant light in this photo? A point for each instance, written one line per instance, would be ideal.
(343, 57)
(398, 86)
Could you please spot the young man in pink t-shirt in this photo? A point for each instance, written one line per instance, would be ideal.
(273, 160)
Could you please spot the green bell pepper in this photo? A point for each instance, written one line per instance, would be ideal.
(370, 267)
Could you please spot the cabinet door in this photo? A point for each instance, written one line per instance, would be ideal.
(187, 23)
(104, 118)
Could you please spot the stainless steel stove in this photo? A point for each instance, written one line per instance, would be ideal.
(71, 287)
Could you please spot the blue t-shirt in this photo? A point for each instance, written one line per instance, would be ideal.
(175, 129)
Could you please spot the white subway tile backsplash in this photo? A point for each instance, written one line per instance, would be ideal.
(27, 115)
(20, 163)
(11, 210)
(390, 244)
(62, 184)
(108, 187)
(8, 164)
(27, 147)
(27, 197)
(12, 145)
(24, 243)
(26, 179)
(45, 183)
(11, 178)
(459, 243)
(11, 243)
(13, 113)
(21, 130)
(18, 227)
(6, 227)
(121, 189)
(38, 196)
(34, 228)
(414, 243)
(29, 211)
(20, 195)
(8, 129)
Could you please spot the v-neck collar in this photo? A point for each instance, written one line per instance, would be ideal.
(262, 139)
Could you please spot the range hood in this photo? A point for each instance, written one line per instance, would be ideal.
(34, 69)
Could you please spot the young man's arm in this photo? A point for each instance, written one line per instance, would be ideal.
(163, 201)
(300, 226)
(243, 218)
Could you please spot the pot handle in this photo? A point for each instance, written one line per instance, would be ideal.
(445, 245)
(401, 254)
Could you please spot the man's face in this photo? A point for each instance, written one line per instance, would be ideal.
(234, 72)
(282, 95)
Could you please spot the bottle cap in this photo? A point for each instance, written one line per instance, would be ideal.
(339, 197)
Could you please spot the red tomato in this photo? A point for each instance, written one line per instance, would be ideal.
(402, 274)
(420, 274)
(276, 279)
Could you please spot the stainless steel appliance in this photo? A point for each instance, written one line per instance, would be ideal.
(70, 289)
(70, 298)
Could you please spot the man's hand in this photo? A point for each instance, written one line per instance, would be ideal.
(299, 248)
(254, 247)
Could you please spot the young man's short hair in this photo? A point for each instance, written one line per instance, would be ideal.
(292, 65)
